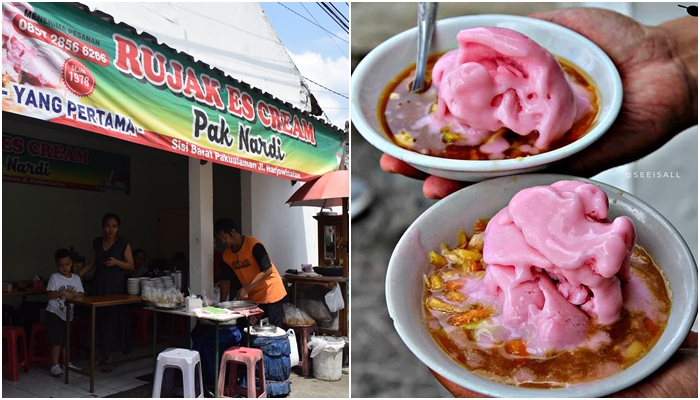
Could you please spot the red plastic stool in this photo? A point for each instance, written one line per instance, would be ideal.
(248, 357)
(38, 335)
(139, 331)
(302, 333)
(12, 334)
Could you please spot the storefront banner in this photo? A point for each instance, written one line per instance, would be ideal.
(40, 162)
(63, 65)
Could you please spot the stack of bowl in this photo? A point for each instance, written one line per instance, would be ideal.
(133, 286)
(168, 281)
(145, 281)
(158, 282)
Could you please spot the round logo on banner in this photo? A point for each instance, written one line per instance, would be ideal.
(78, 78)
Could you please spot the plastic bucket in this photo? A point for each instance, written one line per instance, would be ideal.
(328, 365)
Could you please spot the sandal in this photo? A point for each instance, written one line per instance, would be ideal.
(108, 366)
(100, 361)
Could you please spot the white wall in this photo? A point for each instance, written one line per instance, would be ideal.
(289, 233)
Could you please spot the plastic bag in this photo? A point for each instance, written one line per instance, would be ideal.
(295, 316)
(316, 309)
(334, 299)
(318, 344)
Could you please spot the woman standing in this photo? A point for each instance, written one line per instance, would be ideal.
(111, 255)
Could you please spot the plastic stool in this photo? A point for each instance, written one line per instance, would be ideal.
(39, 336)
(39, 332)
(140, 333)
(190, 365)
(12, 334)
(249, 357)
(302, 333)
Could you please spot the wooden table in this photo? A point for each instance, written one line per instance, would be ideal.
(94, 302)
(327, 280)
(24, 293)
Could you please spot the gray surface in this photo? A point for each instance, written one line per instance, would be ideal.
(382, 365)
(309, 387)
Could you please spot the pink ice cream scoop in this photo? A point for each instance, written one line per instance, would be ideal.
(556, 263)
(501, 78)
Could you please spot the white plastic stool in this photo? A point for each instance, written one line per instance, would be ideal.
(189, 363)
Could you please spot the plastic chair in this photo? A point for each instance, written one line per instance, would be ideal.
(11, 334)
(249, 357)
(190, 365)
(302, 333)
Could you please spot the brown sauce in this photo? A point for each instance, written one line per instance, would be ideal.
(632, 336)
(397, 96)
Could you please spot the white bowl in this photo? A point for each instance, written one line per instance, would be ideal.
(387, 60)
(440, 224)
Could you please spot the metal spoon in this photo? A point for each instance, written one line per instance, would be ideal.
(426, 26)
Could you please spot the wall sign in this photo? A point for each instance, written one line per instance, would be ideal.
(66, 66)
(40, 162)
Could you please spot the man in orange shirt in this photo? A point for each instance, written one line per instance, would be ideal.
(248, 261)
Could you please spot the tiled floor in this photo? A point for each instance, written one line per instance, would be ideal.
(39, 382)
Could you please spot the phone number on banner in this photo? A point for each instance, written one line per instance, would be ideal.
(60, 40)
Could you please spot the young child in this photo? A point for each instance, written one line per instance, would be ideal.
(62, 285)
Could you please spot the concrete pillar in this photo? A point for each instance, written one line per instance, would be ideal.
(247, 210)
(201, 189)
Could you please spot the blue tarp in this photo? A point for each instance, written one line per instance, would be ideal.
(276, 359)
(203, 337)
(278, 368)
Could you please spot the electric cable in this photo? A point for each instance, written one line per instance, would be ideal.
(312, 22)
(338, 12)
(312, 16)
(335, 18)
(331, 90)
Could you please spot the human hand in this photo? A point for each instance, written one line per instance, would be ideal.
(658, 67)
(242, 293)
(109, 261)
(677, 378)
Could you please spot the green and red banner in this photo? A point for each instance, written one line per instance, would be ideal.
(66, 66)
(40, 162)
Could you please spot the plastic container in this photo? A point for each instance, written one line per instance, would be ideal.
(327, 354)
(276, 350)
(294, 354)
